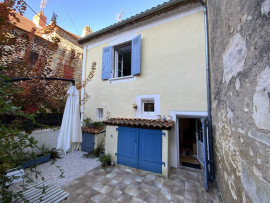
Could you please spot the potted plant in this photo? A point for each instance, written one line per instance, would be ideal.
(105, 160)
(35, 159)
(88, 123)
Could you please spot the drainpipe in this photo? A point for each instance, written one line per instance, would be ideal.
(211, 152)
(83, 78)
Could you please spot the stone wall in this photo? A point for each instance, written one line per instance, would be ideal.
(239, 33)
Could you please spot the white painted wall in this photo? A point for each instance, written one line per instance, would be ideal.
(111, 138)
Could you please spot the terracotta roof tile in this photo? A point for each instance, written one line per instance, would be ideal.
(95, 130)
(141, 123)
(24, 24)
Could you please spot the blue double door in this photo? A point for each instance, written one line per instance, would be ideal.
(140, 148)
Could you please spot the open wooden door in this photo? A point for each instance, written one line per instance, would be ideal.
(205, 150)
(199, 142)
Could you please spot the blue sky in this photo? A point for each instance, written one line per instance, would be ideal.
(95, 13)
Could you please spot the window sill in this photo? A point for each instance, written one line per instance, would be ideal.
(122, 79)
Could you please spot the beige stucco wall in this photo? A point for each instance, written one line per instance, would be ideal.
(99, 139)
(172, 66)
(165, 153)
(111, 138)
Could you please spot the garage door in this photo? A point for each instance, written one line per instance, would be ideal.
(140, 148)
(88, 142)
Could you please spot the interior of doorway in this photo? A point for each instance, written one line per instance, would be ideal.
(190, 143)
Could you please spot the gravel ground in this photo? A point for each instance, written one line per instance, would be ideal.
(73, 165)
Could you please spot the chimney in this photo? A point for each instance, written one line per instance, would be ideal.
(86, 31)
(40, 20)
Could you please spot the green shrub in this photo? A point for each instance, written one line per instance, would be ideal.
(105, 160)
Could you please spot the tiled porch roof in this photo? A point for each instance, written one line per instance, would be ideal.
(95, 130)
(141, 123)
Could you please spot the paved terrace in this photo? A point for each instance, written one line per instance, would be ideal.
(123, 184)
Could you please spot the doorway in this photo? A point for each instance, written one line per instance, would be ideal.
(190, 143)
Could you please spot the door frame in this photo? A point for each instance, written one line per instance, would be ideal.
(183, 114)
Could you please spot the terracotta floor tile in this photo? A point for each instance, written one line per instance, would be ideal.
(187, 200)
(144, 187)
(151, 198)
(151, 176)
(139, 178)
(113, 183)
(98, 197)
(90, 193)
(111, 175)
(178, 191)
(177, 198)
(81, 199)
(135, 200)
(148, 181)
(115, 194)
(130, 190)
(157, 184)
(154, 190)
(140, 194)
(124, 197)
(106, 189)
(108, 199)
(81, 189)
(191, 195)
(97, 186)
(118, 178)
(105, 180)
(165, 195)
(126, 181)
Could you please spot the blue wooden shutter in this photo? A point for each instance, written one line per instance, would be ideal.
(136, 56)
(106, 63)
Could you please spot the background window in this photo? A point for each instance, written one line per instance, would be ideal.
(122, 60)
(99, 113)
(122, 63)
(149, 106)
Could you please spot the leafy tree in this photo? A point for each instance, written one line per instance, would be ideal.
(15, 100)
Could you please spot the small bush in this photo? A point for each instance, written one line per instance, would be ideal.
(105, 160)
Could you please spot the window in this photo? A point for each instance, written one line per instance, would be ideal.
(99, 113)
(122, 63)
(33, 58)
(122, 60)
(148, 106)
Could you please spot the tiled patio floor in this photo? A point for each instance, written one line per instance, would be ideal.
(123, 184)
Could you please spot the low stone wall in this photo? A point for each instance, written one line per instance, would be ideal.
(47, 137)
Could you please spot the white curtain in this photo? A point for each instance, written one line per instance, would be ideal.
(70, 136)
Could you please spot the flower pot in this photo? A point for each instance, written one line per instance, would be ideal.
(38, 160)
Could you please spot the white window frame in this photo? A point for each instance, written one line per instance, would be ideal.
(140, 107)
(99, 113)
(147, 101)
(115, 63)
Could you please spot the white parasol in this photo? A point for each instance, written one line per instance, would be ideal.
(70, 136)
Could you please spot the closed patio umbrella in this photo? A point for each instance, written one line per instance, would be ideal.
(70, 136)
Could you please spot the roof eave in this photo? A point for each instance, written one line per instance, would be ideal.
(134, 19)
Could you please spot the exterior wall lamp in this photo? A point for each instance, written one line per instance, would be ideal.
(134, 105)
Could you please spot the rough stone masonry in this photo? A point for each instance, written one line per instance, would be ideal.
(239, 41)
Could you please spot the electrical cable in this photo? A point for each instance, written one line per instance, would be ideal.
(70, 17)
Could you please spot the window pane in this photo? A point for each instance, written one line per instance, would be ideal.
(149, 107)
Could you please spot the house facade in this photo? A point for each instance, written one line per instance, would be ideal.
(149, 86)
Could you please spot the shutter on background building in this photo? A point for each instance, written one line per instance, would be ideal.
(136, 56)
(106, 63)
